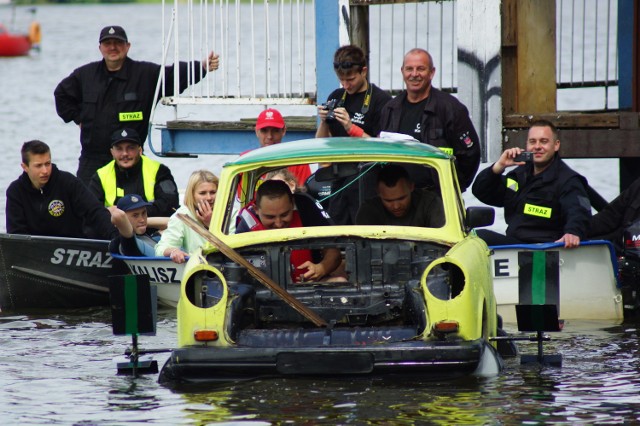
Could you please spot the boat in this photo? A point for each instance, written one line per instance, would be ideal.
(38, 272)
(587, 278)
(414, 301)
(162, 272)
(12, 44)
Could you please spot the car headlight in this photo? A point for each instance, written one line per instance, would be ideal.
(445, 280)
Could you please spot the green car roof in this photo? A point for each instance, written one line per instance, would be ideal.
(330, 147)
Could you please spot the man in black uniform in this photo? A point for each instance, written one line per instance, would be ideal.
(130, 172)
(433, 117)
(619, 221)
(356, 112)
(104, 96)
(544, 200)
(48, 201)
(400, 203)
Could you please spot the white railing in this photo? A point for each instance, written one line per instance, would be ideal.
(267, 47)
(587, 47)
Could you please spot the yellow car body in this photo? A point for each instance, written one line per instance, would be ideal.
(416, 300)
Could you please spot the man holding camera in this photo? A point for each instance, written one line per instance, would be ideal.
(544, 200)
(353, 110)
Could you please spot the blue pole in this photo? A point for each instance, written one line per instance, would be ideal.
(327, 41)
(625, 53)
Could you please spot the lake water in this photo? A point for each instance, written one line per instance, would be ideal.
(56, 368)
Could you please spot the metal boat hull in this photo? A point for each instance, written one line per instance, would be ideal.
(54, 273)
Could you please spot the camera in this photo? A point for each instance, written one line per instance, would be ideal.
(330, 106)
(525, 156)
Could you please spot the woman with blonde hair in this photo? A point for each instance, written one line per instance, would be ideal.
(178, 240)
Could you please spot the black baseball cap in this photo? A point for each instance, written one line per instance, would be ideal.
(132, 202)
(113, 31)
(128, 135)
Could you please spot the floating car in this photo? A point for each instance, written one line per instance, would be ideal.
(412, 300)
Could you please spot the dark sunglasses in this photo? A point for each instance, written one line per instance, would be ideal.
(347, 65)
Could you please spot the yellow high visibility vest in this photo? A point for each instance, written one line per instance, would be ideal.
(107, 175)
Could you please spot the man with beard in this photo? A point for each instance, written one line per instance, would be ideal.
(434, 117)
(400, 203)
(130, 172)
(544, 200)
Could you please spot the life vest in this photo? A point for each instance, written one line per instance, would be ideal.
(107, 175)
(297, 257)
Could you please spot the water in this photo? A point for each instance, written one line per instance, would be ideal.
(56, 368)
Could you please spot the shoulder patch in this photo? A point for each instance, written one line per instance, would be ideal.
(466, 139)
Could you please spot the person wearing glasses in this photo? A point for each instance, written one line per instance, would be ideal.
(352, 110)
(434, 117)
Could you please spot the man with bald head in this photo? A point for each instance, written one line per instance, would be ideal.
(432, 116)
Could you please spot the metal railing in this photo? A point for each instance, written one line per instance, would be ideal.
(587, 46)
(267, 47)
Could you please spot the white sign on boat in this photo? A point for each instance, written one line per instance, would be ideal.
(587, 280)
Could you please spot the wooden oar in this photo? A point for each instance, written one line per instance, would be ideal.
(255, 272)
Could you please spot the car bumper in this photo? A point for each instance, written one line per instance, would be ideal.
(429, 358)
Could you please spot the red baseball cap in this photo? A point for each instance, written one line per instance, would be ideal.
(270, 118)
